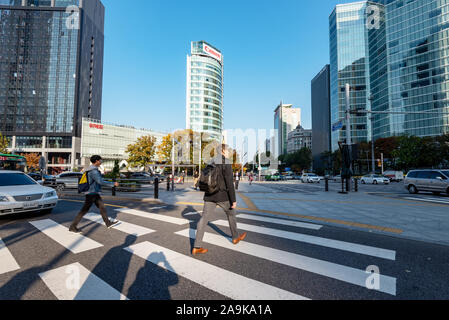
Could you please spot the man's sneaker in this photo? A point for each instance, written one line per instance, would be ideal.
(196, 251)
(241, 238)
(75, 230)
(113, 223)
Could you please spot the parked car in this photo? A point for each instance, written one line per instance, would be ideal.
(274, 177)
(436, 181)
(69, 180)
(337, 178)
(20, 193)
(395, 176)
(310, 178)
(47, 179)
(374, 179)
(144, 177)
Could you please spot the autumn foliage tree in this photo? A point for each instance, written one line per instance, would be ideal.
(142, 152)
(3, 144)
(32, 161)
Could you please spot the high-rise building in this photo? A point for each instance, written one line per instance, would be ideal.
(204, 103)
(321, 123)
(349, 63)
(298, 139)
(51, 71)
(409, 68)
(286, 119)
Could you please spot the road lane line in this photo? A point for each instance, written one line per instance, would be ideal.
(154, 216)
(335, 244)
(281, 221)
(428, 200)
(227, 283)
(331, 270)
(75, 282)
(74, 242)
(7, 261)
(122, 226)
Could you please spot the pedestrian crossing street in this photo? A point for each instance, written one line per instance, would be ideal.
(89, 286)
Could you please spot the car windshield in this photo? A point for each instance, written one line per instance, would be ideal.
(446, 173)
(15, 179)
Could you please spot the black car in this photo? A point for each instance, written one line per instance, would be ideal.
(48, 180)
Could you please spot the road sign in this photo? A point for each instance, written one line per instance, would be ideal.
(337, 126)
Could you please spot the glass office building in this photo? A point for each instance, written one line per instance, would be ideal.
(51, 71)
(349, 63)
(410, 68)
(204, 103)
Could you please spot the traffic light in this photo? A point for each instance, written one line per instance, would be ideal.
(379, 163)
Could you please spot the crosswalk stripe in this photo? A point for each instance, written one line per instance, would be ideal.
(227, 283)
(335, 244)
(122, 226)
(281, 221)
(7, 261)
(427, 200)
(154, 216)
(76, 243)
(75, 282)
(323, 268)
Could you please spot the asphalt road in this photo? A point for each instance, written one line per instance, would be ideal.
(304, 264)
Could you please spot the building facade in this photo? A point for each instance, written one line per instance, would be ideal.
(51, 71)
(286, 119)
(204, 102)
(321, 122)
(409, 69)
(110, 141)
(298, 139)
(349, 63)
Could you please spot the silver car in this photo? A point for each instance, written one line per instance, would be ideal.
(69, 179)
(436, 181)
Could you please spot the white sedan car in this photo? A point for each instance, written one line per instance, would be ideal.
(374, 179)
(310, 178)
(20, 193)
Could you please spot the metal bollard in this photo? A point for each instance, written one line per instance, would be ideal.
(348, 185)
(326, 182)
(156, 188)
(168, 183)
(356, 185)
(113, 189)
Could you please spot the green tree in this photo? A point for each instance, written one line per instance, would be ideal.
(3, 144)
(407, 153)
(142, 152)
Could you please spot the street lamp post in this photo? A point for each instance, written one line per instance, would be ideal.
(371, 98)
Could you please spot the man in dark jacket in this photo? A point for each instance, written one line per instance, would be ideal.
(225, 198)
(93, 195)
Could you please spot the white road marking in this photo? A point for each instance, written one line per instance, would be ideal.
(214, 278)
(323, 268)
(335, 244)
(193, 213)
(428, 200)
(154, 216)
(122, 226)
(75, 282)
(74, 242)
(281, 221)
(7, 261)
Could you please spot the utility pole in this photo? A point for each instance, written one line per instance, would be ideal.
(173, 163)
(371, 98)
(260, 168)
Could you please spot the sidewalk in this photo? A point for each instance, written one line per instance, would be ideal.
(359, 211)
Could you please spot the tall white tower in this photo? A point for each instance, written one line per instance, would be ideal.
(204, 101)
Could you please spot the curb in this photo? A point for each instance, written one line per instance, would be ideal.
(145, 200)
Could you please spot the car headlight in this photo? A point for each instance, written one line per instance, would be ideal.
(3, 199)
(50, 194)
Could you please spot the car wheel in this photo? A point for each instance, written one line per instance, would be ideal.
(375, 182)
(412, 189)
(363, 182)
(60, 187)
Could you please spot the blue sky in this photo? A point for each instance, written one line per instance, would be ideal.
(272, 50)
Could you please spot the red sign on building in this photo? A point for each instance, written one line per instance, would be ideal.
(96, 126)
